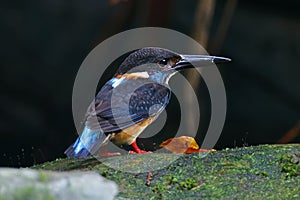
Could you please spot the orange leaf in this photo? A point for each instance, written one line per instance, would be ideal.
(183, 144)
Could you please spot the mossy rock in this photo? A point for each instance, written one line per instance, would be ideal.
(256, 172)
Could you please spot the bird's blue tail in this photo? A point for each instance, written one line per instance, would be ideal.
(86, 145)
(77, 150)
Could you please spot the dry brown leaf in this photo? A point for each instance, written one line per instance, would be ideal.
(183, 144)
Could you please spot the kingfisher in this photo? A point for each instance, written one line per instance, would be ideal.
(132, 99)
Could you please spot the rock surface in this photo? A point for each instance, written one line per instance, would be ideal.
(256, 172)
(20, 184)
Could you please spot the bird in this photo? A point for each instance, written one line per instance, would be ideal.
(132, 99)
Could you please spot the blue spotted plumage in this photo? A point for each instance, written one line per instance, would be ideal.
(131, 100)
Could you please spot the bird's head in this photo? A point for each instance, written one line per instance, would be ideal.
(161, 63)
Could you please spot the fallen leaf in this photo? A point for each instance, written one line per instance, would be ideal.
(183, 144)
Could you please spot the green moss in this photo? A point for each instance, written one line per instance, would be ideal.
(30, 193)
(257, 172)
(43, 177)
(172, 179)
(181, 182)
(290, 164)
(159, 191)
(188, 184)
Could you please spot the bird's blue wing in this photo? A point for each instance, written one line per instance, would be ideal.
(146, 101)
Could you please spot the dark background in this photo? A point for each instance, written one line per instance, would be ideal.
(43, 44)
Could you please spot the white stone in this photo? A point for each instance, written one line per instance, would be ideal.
(59, 185)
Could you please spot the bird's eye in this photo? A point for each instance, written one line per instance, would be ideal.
(163, 62)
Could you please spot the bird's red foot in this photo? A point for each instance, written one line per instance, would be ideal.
(137, 150)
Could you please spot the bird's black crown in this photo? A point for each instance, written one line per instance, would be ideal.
(144, 56)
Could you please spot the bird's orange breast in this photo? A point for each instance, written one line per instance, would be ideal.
(128, 135)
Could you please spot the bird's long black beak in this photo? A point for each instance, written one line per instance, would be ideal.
(191, 61)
